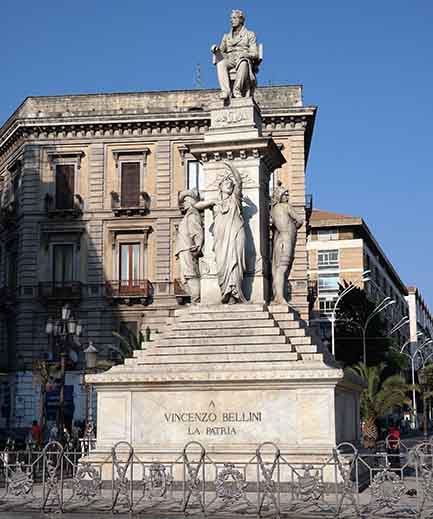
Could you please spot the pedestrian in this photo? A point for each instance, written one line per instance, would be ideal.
(54, 433)
(36, 433)
(393, 445)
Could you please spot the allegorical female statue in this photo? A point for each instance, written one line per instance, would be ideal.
(229, 235)
(285, 224)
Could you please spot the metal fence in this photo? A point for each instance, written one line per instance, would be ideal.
(395, 482)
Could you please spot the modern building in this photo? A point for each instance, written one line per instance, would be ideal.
(340, 248)
(89, 212)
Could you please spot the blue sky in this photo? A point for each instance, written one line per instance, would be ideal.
(367, 65)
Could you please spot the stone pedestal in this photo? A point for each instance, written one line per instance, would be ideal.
(231, 376)
(235, 136)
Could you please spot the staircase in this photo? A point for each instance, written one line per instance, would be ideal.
(208, 338)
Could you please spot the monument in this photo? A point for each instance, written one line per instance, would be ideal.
(238, 367)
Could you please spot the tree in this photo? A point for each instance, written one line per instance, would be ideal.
(129, 342)
(353, 311)
(379, 397)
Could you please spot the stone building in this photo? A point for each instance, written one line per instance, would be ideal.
(341, 248)
(89, 211)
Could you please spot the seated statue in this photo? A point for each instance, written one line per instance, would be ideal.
(237, 59)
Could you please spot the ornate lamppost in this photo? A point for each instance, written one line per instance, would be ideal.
(63, 331)
(90, 354)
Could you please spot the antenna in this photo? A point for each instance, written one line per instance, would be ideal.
(198, 80)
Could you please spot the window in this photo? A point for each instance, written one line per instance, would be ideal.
(328, 282)
(130, 184)
(327, 258)
(195, 177)
(63, 264)
(65, 186)
(12, 265)
(327, 234)
(326, 305)
(129, 266)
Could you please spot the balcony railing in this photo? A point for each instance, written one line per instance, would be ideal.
(65, 290)
(129, 291)
(55, 212)
(123, 207)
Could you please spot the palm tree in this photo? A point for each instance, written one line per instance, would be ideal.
(130, 342)
(378, 397)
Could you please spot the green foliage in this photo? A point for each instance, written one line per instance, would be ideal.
(381, 394)
(130, 342)
(353, 311)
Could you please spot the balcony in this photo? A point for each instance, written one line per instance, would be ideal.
(63, 291)
(128, 292)
(134, 206)
(71, 213)
(7, 299)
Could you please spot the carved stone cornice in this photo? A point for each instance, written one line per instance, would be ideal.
(178, 124)
(261, 148)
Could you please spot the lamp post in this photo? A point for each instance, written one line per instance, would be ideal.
(90, 354)
(422, 377)
(379, 308)
(62, 331)
(412, 357)
(364, 278)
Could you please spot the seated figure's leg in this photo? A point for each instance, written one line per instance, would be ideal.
(223, 76)
(242, 79)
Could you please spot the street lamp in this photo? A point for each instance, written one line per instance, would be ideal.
(90, 355)
(412, 357)
(403, 321)
(63, 331)
(364, 278)
(379, 308)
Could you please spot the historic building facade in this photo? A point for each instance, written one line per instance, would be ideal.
(340, 249)
(89, 213)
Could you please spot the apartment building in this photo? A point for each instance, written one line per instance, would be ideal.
(89, 213)
(340, 248)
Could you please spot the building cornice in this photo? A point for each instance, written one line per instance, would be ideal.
(179, 124)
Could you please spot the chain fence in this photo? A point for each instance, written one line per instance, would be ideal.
(394, 482)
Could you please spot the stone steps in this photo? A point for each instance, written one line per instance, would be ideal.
(222, 332)
(218, 309)
(217, 350)
(228, 324)
(199, 341)
(210, 358)
(223, 316)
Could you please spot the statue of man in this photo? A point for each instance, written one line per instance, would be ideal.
(189, 243)
(237, 53)
(285, 222)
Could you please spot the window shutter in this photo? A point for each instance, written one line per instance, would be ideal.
(130, 188)
(65, 182)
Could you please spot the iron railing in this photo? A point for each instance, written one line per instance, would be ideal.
(268, 482)
(63, 290)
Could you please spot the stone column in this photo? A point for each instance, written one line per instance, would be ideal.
(235, 136)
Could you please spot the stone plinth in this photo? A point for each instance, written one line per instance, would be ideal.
(231, 378)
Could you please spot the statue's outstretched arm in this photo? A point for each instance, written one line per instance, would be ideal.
(204, 204)
(236, 178)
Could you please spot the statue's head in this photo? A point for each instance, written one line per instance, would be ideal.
(226, 185)
(237, 18)
(188, 198)
(280, 194)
